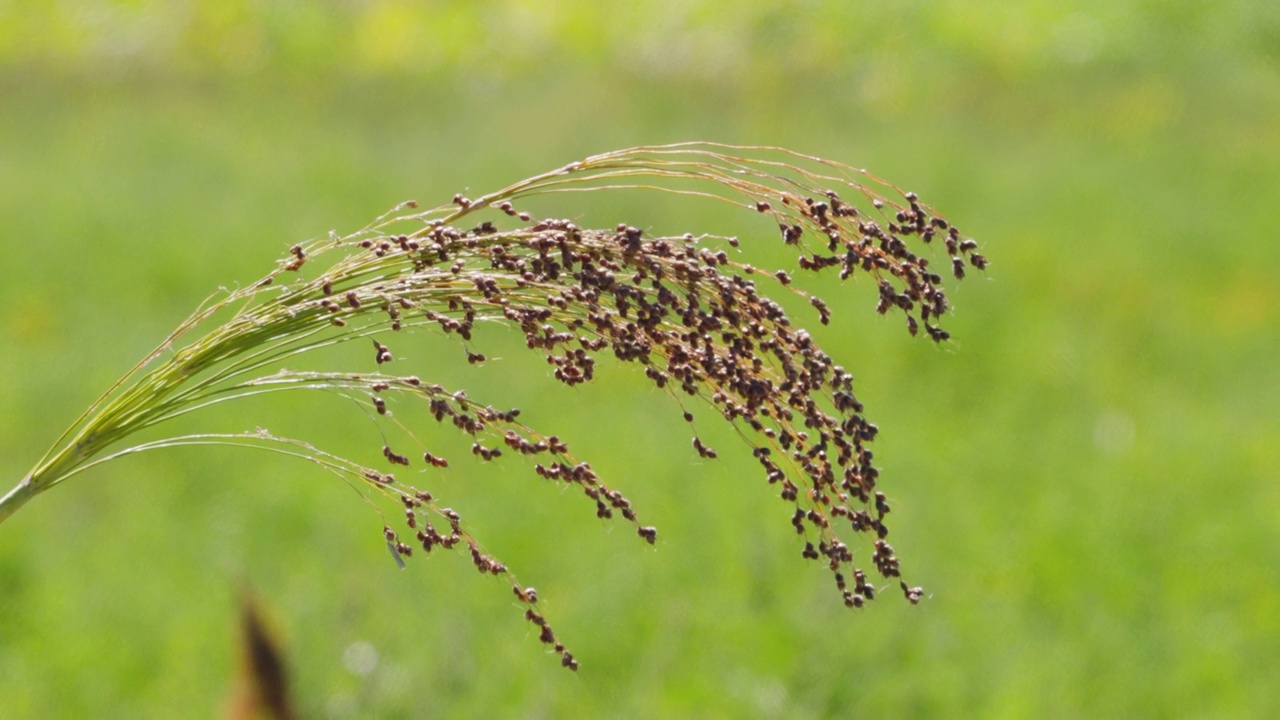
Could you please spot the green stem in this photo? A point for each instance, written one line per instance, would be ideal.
(16, 498)
(47, 474)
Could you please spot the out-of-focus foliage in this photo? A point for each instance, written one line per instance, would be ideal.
(707, 39)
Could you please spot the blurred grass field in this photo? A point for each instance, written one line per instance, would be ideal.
(1085, 481)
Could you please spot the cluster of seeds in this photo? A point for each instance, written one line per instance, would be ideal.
(699, 323)
(685, 308)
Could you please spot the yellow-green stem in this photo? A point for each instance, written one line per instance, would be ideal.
(44, 476)
(17, 497)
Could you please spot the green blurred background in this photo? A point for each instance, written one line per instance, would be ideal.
(1085, 481)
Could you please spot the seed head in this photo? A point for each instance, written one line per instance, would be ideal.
(692, 319)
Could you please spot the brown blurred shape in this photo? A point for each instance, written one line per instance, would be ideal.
(261, 690)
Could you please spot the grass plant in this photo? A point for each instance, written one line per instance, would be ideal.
(686, 308)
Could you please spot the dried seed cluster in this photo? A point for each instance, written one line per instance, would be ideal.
(699, 324)
(685, 308)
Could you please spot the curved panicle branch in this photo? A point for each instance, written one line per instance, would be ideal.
(686, 309)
